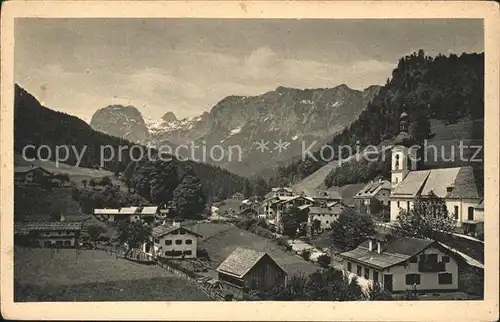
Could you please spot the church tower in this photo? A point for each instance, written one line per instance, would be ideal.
(404, 154)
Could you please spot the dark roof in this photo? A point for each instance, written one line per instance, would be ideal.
(26, 169)
(164, 230)
(242, 260)
(44, 226)
(393, 252)
(480, 205)
(465, 185)
(320, 210)
(372, 188)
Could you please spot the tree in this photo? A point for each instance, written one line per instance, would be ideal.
(428, 218)
(95, 231)
(92, 183)
(134, 234)
(375, 206)
(315, 226)
(376, 292)
(105, 181)
(247, 190)
(351, 229)
(292, 218)
(188, 198)
(164, 180)
(306, 254)
(324, 260)
(260, 188)
(84, 183)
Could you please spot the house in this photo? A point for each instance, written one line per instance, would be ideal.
(456, 186)
(238, 196)
(284, 203)
(326, 214)
(172, 241)
(47, 234)
(30, 175)
(106, 214)
(399, 263)
(323, 197)
(249, 269)
(379, 190)
(475, 227)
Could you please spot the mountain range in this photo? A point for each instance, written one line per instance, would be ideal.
(284, 115)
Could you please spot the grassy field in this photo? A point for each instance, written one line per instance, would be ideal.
(221, 239)
(94, 276)
(76, 174)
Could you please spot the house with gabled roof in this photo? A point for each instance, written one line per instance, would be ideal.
(247, 268)
(378, 189)
(30, 174)
(172, 241)
(48, 234)
(404, 263)
(456, 186)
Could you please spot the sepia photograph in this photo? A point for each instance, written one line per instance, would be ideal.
(269, 159)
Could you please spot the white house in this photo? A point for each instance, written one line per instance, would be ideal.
(379, 189)
(172, 241)
(326, 214)
(402, 264)
(455, 185)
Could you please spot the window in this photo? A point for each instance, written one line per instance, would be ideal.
(375, 276)
(456, 212)
(470, 213)
(445, 278)
(446, 259)
(414, 259)
(178, 242)
(189, 241)
(358, 270)
(168, 242)
(157, 241)
(327, 221)
(367, 273)
(349, 266)
(412, 279)
(187, 252)
(398, 201)
(407, 205)
(182, 232)
(67, 243)
(59, 242)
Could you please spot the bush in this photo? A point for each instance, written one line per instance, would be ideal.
(324, 260)
(306, 254)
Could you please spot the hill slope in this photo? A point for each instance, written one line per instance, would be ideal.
(37, 125)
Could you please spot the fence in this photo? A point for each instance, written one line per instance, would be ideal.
(191, 276)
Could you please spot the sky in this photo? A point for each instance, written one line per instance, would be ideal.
(186, 66)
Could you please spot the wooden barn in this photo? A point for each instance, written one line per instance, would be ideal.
(248, 269)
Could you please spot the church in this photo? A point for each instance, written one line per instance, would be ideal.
(455, 185)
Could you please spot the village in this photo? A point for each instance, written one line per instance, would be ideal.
(242, 245)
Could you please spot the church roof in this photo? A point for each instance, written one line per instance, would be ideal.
(445, 183)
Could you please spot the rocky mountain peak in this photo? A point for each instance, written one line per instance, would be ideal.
(121, 121)
(169, 117)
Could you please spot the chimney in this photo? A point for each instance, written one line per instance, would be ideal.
(370, 245)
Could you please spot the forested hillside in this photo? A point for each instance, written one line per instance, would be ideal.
(446, 88)
(37, 125)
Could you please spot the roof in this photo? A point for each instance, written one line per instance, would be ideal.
(105, 211)
(303, 207)
(25, 169)
(128, 210)
(242, 260)
(281, 188)
(150, 210)
(327, 194)
(287, 199)
(393, 252)
(461, 179)
(43, 226)
(372, 188)
(165, 230)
